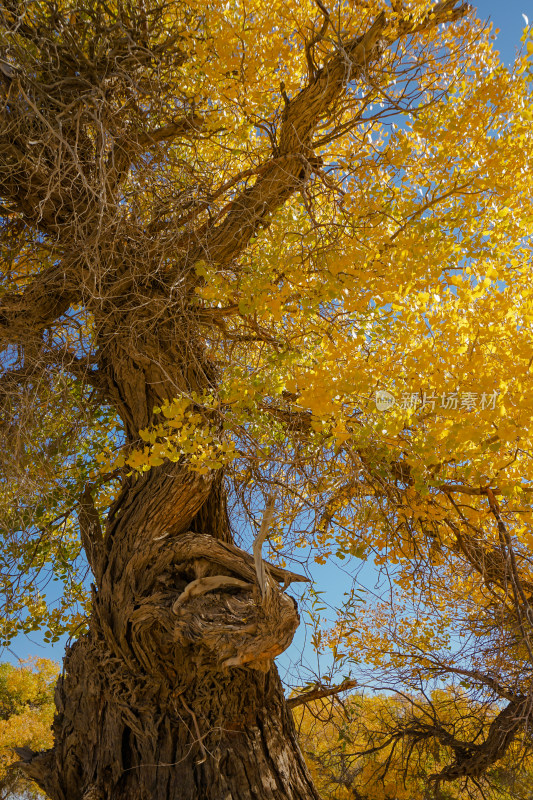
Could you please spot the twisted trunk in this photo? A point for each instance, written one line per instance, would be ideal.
(227, 734)
(173, 693)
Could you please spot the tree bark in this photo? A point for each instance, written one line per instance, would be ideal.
(173, 693)
(226, 736)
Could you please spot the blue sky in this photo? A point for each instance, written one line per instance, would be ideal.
(507, 16)
(331, 578)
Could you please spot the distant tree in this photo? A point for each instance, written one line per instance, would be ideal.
(360, 748)
(26, 714)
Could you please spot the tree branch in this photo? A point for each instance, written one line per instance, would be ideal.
(319, 693)
(25, 316)
(295, 160)
(91, 532)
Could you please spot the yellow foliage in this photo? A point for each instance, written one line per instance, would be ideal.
(26, 715)
(355, 749)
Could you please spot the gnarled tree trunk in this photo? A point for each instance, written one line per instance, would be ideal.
(173, 693)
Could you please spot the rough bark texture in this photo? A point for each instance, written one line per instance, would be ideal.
(225, 735)
(173, 693)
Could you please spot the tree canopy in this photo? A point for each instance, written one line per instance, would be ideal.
(267, 275)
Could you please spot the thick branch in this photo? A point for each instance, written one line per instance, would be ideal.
(294, 160)
(91, 532)
(472, 760)
(24, 316)
(319, 693)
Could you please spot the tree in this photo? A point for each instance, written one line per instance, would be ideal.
(220, 241)
(27, 710)
(357, 749)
